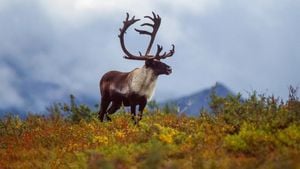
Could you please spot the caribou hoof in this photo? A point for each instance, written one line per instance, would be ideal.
(108, 118)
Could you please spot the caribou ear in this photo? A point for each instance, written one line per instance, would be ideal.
(149, 63)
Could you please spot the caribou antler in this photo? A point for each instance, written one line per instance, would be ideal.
(165, 55)
(156, 23)
(155, 26)
(127, 23)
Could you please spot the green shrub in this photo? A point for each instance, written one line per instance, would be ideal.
(290, 136)
(269, 113)
(235, 143)
(72, 111)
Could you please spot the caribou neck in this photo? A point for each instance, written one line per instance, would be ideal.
(143, 81)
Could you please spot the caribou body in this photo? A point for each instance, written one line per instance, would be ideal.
(136, 87)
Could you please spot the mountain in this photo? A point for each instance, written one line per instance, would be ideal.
(189, 105)
(192, 104)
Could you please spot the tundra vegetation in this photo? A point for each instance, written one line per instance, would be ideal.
(254, 132)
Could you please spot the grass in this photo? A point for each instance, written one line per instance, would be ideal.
(258, 132)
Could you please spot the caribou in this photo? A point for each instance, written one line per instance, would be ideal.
(136, 87)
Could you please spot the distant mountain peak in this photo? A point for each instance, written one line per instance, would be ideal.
(193, 103)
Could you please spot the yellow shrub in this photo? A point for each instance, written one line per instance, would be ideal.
(166, 134)
(100, 140)
(290, 136)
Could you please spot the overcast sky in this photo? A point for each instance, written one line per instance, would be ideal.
(52, 48)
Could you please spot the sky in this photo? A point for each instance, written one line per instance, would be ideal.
(52, 48)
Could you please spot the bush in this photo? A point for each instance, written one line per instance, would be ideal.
(256, 132)
(235, 143)
(290, 136)
(72, 111)
(264, 112)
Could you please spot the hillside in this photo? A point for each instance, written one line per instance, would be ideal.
(192, 104)
(189, 105)
(257, 132)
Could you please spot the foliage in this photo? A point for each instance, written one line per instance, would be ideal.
(256, 132)
(262, 111)
(72, 111)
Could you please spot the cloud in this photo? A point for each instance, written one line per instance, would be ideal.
(249, 46)
(53, 48)
(9, 96)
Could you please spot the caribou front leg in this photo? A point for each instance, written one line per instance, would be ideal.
(133, 113)
(142, 106)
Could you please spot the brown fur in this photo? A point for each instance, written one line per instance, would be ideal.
(119, 88)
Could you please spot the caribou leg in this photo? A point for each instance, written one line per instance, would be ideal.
(142, 106)
(103, 108)
(133, 113)
(112, 109)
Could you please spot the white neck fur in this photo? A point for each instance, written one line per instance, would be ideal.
(143, 81)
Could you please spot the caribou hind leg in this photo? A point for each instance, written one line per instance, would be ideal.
(112, 109)
(104, 105)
